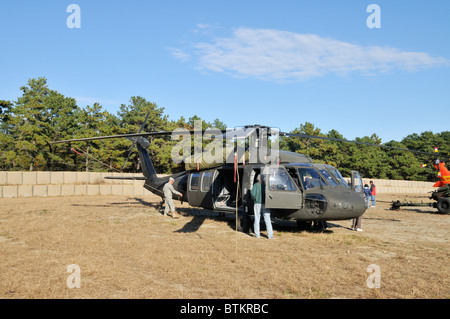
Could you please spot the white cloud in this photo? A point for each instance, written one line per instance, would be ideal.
(205, 28)
(281, 55)
(179, 54)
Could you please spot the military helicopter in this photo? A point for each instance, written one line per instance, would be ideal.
(295, 187)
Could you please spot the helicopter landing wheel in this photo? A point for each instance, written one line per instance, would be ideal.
(302, 225)
(443, 205)
(244, 223)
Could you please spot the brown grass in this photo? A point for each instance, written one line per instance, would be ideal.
(126, 249)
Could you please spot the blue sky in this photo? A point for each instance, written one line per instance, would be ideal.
(277, 63)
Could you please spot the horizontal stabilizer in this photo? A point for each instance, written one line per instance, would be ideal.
(139, 178)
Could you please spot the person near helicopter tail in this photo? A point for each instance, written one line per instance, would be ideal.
(168, 191)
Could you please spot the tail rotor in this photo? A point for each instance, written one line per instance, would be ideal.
(134, 141)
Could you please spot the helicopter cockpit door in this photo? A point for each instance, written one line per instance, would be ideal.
(281, 190)
(357, 183)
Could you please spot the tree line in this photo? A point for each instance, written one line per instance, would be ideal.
(41, 115)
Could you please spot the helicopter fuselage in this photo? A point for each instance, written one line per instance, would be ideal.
(301, 191)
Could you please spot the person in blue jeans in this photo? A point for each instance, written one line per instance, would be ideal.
(373, 193)
(258, 199)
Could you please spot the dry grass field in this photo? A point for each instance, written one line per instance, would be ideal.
(125, 248)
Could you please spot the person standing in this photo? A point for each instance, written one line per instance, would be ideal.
(367, 195)
(373, 192)
(168, 192)
(356, 223)
(258, 197)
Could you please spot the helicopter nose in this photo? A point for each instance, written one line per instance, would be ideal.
(353, 206)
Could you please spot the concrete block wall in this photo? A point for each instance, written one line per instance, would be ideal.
(43, 184)
(385, 186)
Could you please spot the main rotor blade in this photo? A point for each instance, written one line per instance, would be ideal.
(358, 142)
(160, 133)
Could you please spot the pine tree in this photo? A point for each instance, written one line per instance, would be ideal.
(39, 116)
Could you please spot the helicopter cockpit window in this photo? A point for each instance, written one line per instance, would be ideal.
(338, 177)
(194, 181)
(330, 180)
(310, 178)
(279, 180)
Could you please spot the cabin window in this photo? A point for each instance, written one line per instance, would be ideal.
(279, 180)
(310, 178)
(195, 177)
(207, 179)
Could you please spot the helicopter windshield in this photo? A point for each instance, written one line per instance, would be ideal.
(338, 176)
(310, 178)
(330, 180)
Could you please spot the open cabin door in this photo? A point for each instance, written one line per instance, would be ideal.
(357, 183)
(281, 191)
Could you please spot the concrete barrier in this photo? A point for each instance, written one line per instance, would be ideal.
(384, 186)
(43, 184)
